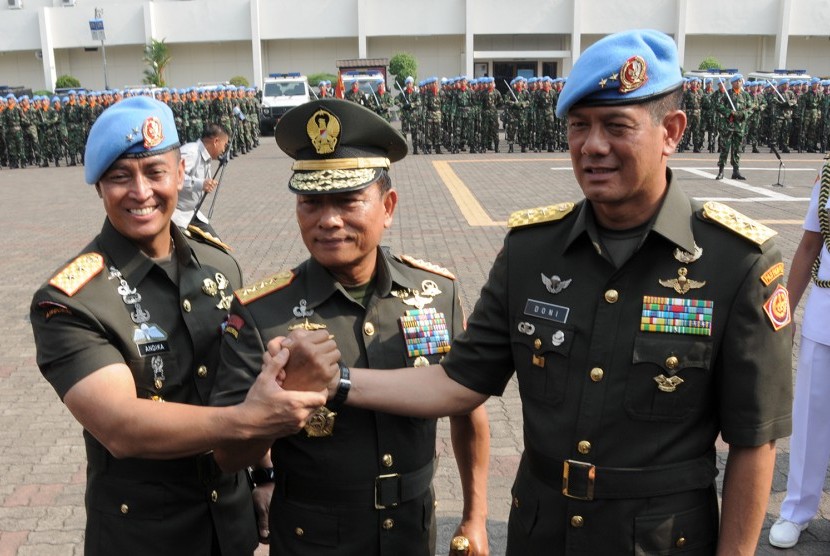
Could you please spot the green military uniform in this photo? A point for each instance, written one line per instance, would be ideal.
(735, 110)
(693, 106)
(82, 323)
(326, 484)
(13, 124)
(644, 407)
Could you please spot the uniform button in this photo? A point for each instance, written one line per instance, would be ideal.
(388, 523)
(537, 343)
(201, 372)
(186, 305)
(387, 460)
(577, 521)
(611, 296)
(125, 509)
(597, 374)
(299, 531)
(681, 542)
(672, 362)
(584, 447)
(214, 496)
(368, 328)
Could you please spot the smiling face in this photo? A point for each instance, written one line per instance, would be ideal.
(343, 230)
(619, 157)
(140, 195)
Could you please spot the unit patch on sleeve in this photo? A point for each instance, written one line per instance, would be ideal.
(773, 272)
(777, 308)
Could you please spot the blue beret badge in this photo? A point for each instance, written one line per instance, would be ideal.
(152, 132)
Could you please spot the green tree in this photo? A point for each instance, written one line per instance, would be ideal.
(402, 65)
(239, 80)
(157, 57)
(67, 82)
(710, 62)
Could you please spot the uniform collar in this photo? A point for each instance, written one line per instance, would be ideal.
(130, 260)
(321, 285)
(203, 152)
(673, 220)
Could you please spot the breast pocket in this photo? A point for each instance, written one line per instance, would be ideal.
(669, 377)
(540, 353)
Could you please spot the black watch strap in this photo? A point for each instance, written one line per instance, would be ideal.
(343, 388)
(261, 476)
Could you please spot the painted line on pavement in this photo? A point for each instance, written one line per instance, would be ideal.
(467, 203)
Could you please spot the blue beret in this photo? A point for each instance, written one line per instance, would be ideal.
(735, 77)
(55, 99)
(65, 99)
(623, 68)
(72, 92)
(135, 127)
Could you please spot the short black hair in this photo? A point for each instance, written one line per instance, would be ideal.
(214, 129)
(659, 107)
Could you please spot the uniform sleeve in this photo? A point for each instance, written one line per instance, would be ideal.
(71, 342)
(755, 364)
(481, 358)
(240, 357)
(811, 223)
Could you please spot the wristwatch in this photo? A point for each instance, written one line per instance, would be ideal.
(343, 388)
(261, 475)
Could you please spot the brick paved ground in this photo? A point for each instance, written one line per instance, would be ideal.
(49, 215)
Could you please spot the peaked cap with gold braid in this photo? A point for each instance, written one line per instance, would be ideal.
(337, 145)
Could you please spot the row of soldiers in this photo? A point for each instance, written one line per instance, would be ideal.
(462, 114)
(784, 115)
(43, 130)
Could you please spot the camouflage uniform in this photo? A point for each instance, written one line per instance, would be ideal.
(28, 122)
(49, 135)
(4, 153)
(782, 113)
(812, 118)
(410, 102)
(463, 108)
(432, 100)
(73, 115)
(13, 119)
(735, 115)
(693, 106)
(490, 102)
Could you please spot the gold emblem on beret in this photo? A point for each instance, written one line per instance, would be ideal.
(320, 423)
(323, 129)
(152, 132)
(633, 74)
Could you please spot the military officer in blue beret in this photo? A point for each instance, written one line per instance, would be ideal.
(641, 325)
(362, 472)
(128, 334)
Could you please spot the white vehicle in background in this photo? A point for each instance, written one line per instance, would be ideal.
(367, 81)
(280, 93)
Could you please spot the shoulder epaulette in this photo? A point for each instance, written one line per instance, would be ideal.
(424, 265)
(550, 213)
(197, 233)
(78, 273)
(264, 287)
(739, 223)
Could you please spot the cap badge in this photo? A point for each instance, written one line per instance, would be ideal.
(323, 129)
(152, 132)
(633, 74)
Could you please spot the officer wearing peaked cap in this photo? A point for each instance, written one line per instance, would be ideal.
(633, 344)
(365, 472)
(128, 335)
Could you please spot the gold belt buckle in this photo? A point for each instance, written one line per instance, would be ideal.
(590, 474)
(381, 478)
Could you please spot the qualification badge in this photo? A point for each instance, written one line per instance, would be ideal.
(320, 423)
(682, 284)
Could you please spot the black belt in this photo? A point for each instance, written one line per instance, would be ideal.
(585, 481)
(385, 491)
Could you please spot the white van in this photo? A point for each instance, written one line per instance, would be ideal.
(280, 93)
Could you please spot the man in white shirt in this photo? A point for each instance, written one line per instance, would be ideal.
(197, 179)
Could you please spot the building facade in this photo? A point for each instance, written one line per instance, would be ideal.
(214, 40)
